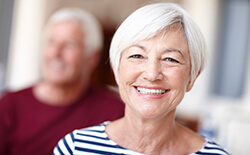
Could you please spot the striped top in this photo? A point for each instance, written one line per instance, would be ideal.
(93, 141)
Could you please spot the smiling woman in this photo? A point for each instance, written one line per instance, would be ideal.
(156, 55)
(159, 68)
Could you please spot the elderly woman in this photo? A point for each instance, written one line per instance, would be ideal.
(156, 54)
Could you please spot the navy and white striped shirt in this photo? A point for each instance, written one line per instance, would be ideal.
(94, 141)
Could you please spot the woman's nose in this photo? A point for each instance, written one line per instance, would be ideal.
(153, 71)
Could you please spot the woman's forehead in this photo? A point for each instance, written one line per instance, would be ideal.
(174, 37)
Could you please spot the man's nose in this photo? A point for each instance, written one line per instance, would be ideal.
(57, 50)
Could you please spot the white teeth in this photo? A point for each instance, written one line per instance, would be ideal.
(151, 91)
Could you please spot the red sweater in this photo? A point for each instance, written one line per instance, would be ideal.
(28, 126)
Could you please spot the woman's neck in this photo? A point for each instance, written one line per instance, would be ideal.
(146, 136)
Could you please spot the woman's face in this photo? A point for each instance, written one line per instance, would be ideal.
(154, 74)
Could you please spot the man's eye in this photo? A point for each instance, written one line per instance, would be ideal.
(172, 60)
(137, 56)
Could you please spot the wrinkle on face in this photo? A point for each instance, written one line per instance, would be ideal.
(162, 61)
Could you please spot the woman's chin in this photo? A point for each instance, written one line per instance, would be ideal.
(149, 112)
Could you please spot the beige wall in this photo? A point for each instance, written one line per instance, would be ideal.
(109, 12)
(23, 66)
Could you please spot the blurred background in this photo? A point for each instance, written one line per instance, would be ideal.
(219, 104)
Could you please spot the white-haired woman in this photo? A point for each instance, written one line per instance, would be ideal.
(156, 54)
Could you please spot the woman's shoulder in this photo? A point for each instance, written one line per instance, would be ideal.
(80, 139)
(88, 141)
(211, 147)
(93, 130)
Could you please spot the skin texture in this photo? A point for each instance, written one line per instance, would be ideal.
(157, 63)
(66, 66)
(161, 63)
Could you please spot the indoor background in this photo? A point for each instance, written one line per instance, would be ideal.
(219, 103)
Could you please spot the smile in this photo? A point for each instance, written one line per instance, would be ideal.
(150, 91)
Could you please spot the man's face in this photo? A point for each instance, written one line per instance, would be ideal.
(64, 56)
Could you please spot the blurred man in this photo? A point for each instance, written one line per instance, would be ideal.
(32, 120)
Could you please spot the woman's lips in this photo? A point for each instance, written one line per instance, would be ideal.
(151, 91)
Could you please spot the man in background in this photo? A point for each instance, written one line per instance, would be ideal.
(32, 120)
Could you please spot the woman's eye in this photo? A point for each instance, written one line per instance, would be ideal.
(172, 60)
(136, 56)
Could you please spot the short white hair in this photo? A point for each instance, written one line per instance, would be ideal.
(93, 36)
(147, 22)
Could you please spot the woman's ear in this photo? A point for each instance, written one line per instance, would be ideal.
(191, 83)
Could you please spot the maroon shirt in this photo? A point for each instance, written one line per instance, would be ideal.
(28, 126)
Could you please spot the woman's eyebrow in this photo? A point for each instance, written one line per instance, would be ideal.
(173, 50)
(138, 46)
(167, 50)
